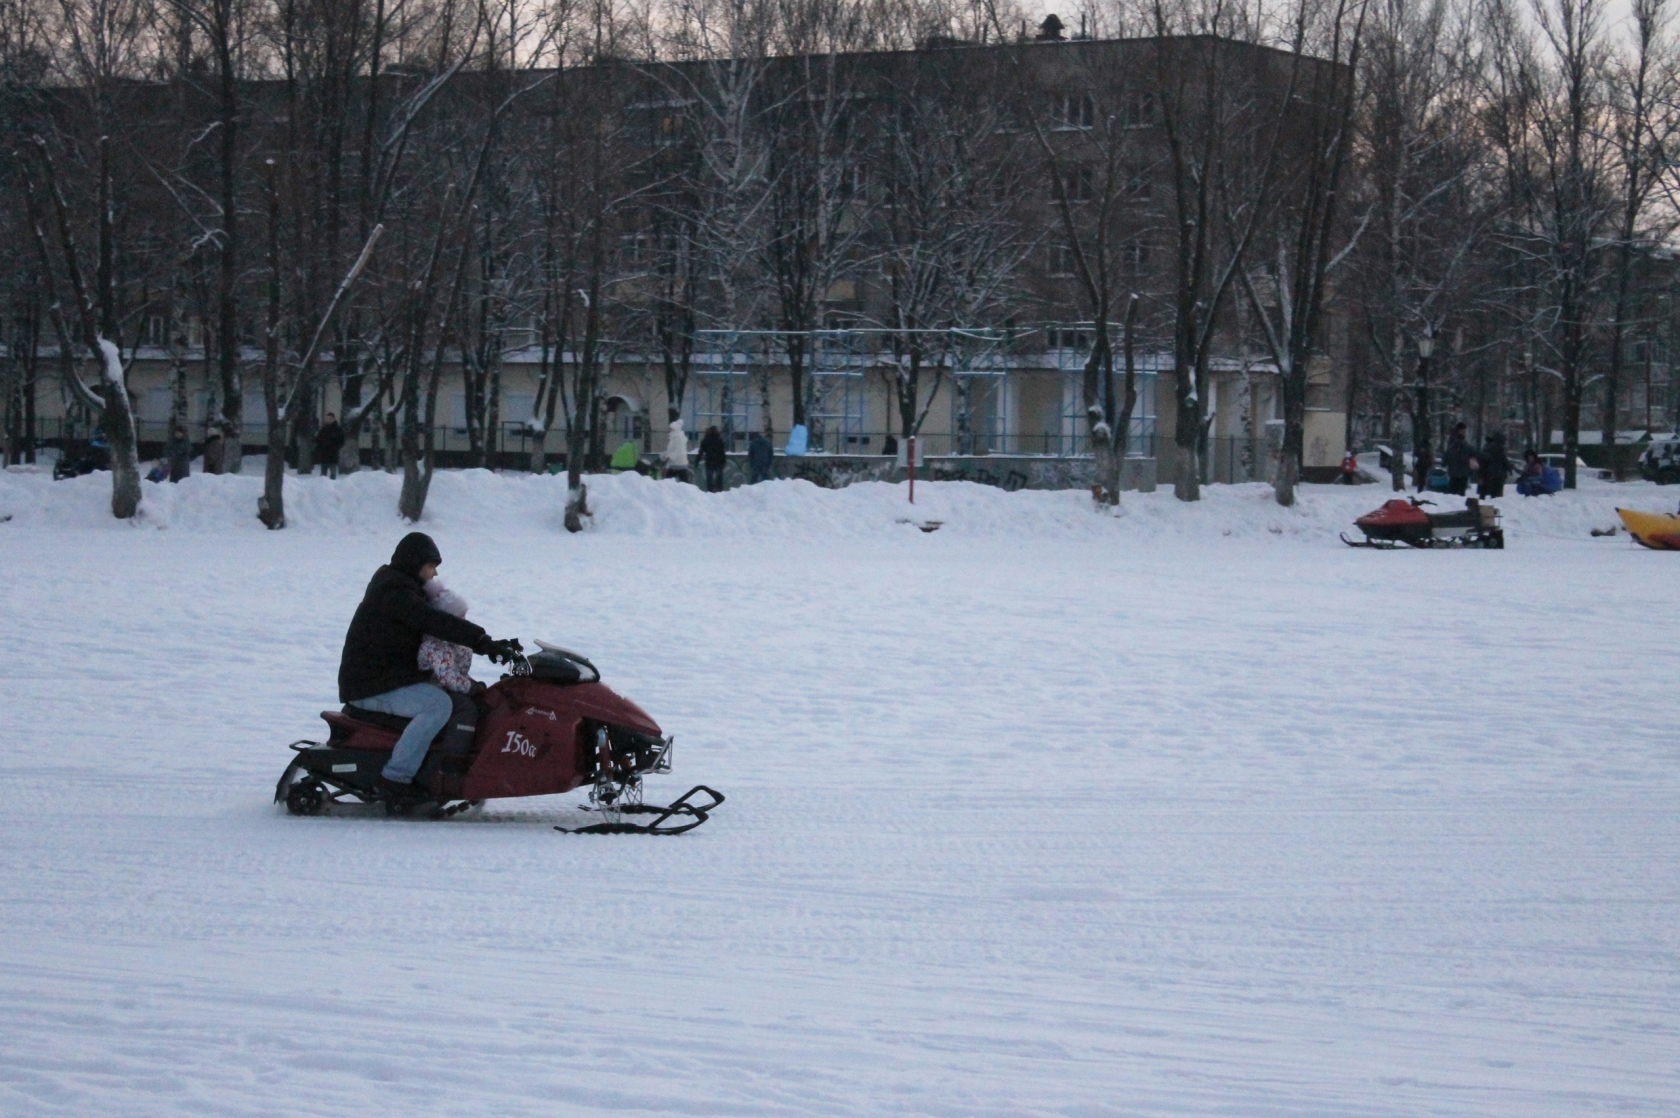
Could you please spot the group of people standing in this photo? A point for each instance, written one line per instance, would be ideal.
(1487, 464)
(176, 461)
(714, 456)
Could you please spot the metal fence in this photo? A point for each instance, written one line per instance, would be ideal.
(1239, 459)
(515, 441)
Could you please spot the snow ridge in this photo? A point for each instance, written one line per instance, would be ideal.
(631, 505)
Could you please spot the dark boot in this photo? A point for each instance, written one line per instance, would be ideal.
(398, 792)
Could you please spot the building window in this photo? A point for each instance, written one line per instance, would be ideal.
(521, 332)
(1061, 260)
(633, 251)
(1134, 255)
(850, 184)
(1138, 110)
(1072, 112)
(1080, 184)
(662, 128)
(1066, 337)
(1140, 185)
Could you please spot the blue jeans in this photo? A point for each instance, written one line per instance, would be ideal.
(428, 708)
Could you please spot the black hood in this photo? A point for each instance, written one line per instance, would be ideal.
(414, 552)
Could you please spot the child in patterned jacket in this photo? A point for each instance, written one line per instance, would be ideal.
(448, 663)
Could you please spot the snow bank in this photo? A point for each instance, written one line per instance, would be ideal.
(630, 505)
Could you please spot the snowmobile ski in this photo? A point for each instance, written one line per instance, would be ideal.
(680, 808)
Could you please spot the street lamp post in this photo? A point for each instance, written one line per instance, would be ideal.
(1420, 419)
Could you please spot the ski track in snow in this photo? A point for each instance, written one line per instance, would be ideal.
(1193, 812)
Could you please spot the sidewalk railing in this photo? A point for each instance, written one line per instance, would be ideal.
(515, 441)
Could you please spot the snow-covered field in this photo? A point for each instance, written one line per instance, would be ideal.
(1192, 812)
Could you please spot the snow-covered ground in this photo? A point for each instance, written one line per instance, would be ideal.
(1193, 811)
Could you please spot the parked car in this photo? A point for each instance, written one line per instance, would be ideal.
(1661, 462)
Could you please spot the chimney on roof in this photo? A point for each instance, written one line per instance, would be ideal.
(1050, 30)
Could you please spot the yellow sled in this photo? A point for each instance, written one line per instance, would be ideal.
(1656, 530)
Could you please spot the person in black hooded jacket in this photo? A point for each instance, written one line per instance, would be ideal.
(715, 456)
(380, 668)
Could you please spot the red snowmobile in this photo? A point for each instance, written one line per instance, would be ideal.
(1404, 523)
(548, 726)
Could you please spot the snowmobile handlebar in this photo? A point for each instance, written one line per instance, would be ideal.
(505, 651)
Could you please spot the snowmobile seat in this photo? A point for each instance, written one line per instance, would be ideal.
(1467, 518)
(375, 718)
(455, 739)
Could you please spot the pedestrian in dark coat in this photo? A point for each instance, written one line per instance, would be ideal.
(1460, 461)
(214, 451)
(1494, 463)
(1423, 460)
(329, 440)
(760, 457)
(178, 453)
(714, 455)
(380, 667)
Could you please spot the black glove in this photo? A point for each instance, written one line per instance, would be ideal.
(501, 652)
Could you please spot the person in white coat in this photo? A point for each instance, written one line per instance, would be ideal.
(676, 452)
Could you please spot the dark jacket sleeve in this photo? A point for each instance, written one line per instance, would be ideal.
(407, 605)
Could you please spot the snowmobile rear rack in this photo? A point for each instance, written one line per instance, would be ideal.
(680, 807)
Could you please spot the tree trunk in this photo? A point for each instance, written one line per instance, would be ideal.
(1108, 453)
(1571, 425)
(1107, 450)
(411, 502)
(577, 442)
(233, 392)
(1187, 471)
(118, 422)
(271, 506)
(1293, 387)
(796, 374)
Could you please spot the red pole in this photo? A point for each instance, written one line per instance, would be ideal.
(910, 457)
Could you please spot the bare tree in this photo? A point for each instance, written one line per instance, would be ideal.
(815, 216)
(1645, 113)
(99, 46)
(96, 319)
(1424, 176)
(1093, 139)
(225, 27)
(1548, 104)
(1224, 117)
(1307, 242)
(949, 242)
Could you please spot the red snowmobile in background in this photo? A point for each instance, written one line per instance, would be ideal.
(548, 726)
(1404, 523)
